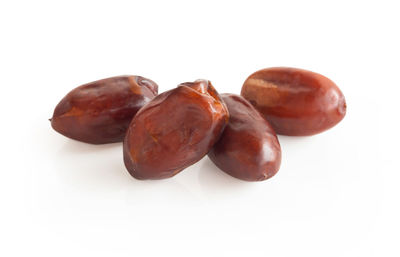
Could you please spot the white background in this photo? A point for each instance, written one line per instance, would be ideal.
(336, 194)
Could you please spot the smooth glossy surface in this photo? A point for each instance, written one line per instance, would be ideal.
(248, 148)
(100, 112)
(296, 102)
(175, 130)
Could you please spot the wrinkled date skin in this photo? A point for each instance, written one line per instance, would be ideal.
(296, 102)
(100, 112)
(175, 130)
(248, 148)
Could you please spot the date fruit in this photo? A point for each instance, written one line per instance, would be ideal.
(248, 148)
(175, 130)
(100, 112)
(296, 102)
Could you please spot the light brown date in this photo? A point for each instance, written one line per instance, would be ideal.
(296, 102)
(248, 148)
(175, 130)
(100, 112)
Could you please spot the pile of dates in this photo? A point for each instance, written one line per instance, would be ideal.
(165, 133)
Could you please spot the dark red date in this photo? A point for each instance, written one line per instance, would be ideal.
(296, 102)
(248, 148)
(175, 130)
(100, 112)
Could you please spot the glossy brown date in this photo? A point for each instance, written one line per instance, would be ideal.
(248, 148)
(100, 112)
(296, 102)
(175, 130)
